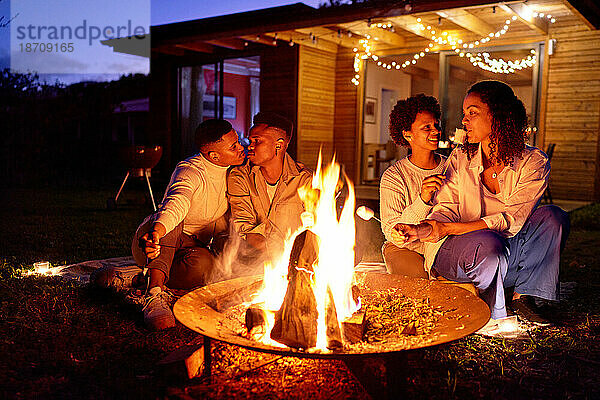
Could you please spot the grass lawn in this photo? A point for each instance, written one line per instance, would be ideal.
(61, 340)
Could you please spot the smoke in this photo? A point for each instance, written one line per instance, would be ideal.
(237, 259)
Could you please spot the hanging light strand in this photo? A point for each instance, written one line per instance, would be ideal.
(445, 39)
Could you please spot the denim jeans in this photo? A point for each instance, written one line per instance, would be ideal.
(528, 261)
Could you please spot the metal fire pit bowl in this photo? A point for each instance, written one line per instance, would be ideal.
(201, 310)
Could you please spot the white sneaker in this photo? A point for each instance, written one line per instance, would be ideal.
(157, 310)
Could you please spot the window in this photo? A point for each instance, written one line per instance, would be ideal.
(228, 89)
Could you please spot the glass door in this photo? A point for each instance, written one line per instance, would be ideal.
(228, 89)
(383, 88)
(458, 73)
(198, 98)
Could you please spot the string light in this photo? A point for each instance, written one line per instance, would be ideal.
(462, 49)
(499, 66)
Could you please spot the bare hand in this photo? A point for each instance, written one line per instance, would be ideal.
(151, 240)
(430, 185)
(438, 231)
(150, 244)
(403, 234)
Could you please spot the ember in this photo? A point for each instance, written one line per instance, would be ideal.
(391, 313)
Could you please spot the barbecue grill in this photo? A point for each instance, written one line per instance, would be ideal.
(139, 161)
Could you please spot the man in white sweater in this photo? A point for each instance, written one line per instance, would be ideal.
(179, 241)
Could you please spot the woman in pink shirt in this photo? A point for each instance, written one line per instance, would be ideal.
(487, 229)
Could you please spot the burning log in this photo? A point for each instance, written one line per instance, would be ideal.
(256, 319)
(334, 335)
(353, 328)
(296, 321)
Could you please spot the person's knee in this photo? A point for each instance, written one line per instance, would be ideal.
(486, 249)
(553, 217)
(403, 261)
(193, 268)
(198, 259)
(553, 221)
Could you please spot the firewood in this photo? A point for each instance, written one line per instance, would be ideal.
(256, 319)
(353, 328)
(355, 293)
(222, 301)
(410, 329)
(296, 321)
(334, 335)
(186, 361)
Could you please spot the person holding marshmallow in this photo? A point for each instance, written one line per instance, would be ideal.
(486, 227)
(408, 187)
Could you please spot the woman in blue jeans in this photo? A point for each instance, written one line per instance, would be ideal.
(487, 228)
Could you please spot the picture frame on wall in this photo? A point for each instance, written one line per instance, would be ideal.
(229, 109)
(229, 106)
(370, 110)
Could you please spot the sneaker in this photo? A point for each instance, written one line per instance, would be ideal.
(157, 310)
(118, 278)
(525, 308)
(507, 327)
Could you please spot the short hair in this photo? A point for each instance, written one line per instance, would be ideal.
(509, 120)
(211, 131)
(405, 112)
(275, 120)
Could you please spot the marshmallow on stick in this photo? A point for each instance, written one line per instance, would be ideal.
(423, 229)
(459, 138)
(366, 213)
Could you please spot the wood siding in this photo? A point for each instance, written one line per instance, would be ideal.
(572, 113)
(346, 113)
(316, 103)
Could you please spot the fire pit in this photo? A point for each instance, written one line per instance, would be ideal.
(204, 311)
(382, 368)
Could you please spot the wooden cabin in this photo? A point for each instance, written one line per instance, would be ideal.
(337, 72)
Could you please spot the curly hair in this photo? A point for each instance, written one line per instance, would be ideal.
(509, 121)
(405, 112)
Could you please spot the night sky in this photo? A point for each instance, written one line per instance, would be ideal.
(90, 59)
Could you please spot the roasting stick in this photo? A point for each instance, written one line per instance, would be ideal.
(423, 229)
(366, 213)
(459, 139)
(143, 241)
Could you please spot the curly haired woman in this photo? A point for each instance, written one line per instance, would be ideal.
(407, 188)
(487, 228)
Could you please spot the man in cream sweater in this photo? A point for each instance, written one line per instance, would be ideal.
(179, 241)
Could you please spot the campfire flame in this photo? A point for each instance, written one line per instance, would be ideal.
(334, 267)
